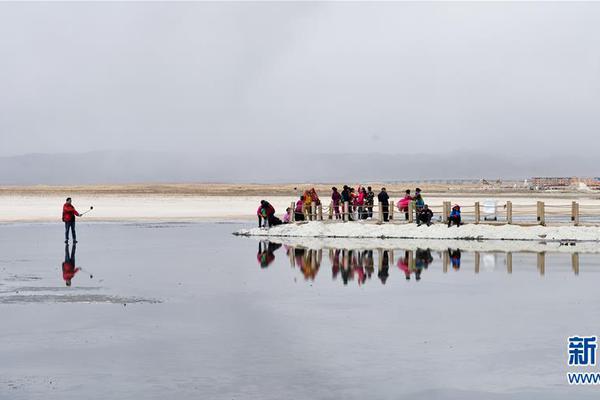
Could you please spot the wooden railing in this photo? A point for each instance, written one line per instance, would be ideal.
(538, 213)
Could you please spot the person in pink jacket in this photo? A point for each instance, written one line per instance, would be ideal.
(360, 202)
(403, 203)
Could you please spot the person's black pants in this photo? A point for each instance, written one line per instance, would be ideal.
(70, 225)
(424, 219)
(453, 220)
(385, 209)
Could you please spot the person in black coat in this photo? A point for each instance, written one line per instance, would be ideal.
(384, 201)
(424, 216)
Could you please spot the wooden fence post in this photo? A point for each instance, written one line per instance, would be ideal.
(345, 211)
(575, 213)
(411, 259)
(313, 211)
(320, 211)
(293, 207)
(446, 211)
(305, 211)
(380, 212)
(391, 210)
(411, 211)
(509, 262)
(541, 217)
(477, 212)
(331, 210)
(477, 261)
(509, 214)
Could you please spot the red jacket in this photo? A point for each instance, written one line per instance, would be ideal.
(69, 271)
(69, 212)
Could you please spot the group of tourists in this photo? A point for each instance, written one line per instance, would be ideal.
(354, 204)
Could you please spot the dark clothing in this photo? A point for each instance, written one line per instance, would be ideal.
(385, 209)
(424, 216)
(346, 195)
(384, 201)
(383, 197)
(454, 220)
(369, 200)
(70, 225)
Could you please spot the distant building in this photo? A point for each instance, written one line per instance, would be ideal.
(563, 182)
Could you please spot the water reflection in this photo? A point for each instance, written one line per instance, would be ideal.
(357, 266)
(68, 266)
(266, 253)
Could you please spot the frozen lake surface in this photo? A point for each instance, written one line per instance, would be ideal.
(189, 311)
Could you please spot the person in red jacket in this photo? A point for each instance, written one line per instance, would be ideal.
(68, 267)
(68, 217)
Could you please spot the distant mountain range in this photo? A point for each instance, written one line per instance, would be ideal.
(146, 167)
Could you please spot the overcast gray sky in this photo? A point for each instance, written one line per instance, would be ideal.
(218, 78)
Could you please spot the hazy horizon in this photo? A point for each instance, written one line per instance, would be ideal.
(503, 81)
(105, 167)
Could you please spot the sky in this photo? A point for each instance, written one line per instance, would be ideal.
(211, 79)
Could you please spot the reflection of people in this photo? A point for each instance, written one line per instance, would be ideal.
(384, 267)
(368, 262)
(455, 258)
(68, 267)
(403, 265)
(334, 257)
(423, 258)
(68, 217)
(265, 255)
(311, 264)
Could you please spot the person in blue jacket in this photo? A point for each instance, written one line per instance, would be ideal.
(454, 217)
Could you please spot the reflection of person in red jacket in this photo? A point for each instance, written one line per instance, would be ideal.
(68, 267)
(68, 217)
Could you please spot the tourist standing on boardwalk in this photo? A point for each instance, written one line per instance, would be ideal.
(369, 200)
(419, 202)
(335, 199)
(307, 202)
(404, 202)
(384, 202)
(360, 202)
(299, 211)
(68, 217)
(347, 199)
